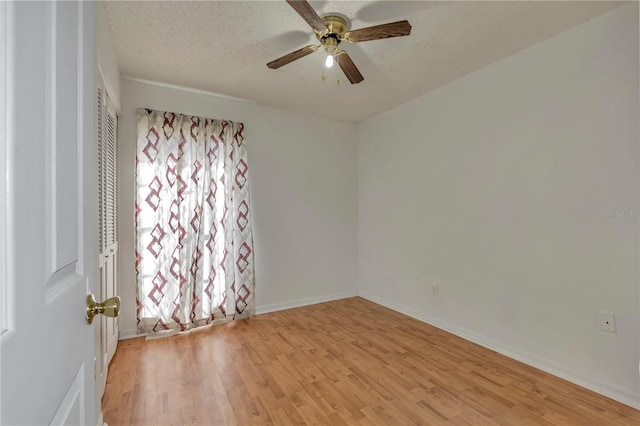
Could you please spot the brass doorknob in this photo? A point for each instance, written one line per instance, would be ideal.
(108, 308)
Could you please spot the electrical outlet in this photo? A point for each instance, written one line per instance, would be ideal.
(435, 290)
(607, 321)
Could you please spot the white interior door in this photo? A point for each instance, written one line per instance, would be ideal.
(48, 246)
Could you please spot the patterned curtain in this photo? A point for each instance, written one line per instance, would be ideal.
(194, 247)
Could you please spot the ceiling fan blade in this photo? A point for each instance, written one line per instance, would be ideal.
(290, 57)
(377, 32)
(305, 10)
(349, 68)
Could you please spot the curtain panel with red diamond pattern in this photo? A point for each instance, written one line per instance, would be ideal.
(194, 247)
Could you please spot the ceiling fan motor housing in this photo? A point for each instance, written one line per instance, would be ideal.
(337, 26)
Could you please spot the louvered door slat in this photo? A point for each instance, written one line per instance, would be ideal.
(111, 212)
(100, 160)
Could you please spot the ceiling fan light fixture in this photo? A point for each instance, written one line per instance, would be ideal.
(329, 61)
(330, 44)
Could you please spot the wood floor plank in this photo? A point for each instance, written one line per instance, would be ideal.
(339, 363)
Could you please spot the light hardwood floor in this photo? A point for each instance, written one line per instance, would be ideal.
(344, 362)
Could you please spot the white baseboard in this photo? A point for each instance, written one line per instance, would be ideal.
(617, 393)
(130, 333)
(304, 302)
(133, 333)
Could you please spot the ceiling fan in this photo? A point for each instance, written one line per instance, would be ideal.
(331, 30)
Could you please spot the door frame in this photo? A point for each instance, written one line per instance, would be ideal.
(5, 261)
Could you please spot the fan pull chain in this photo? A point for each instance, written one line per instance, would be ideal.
(323, 77)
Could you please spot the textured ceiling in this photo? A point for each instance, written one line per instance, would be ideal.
(223, 47)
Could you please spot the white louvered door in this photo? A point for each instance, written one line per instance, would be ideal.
(111, 205)
(107, 124)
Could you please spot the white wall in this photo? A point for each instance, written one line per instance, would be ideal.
(105, 55)
(497, 186)
(303, 176)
